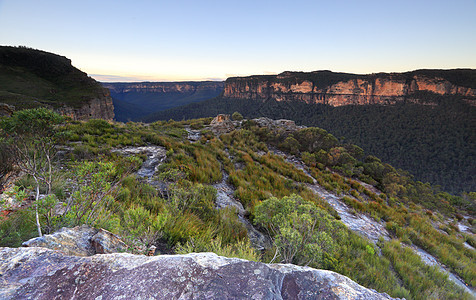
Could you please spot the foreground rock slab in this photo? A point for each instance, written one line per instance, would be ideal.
(39, 273)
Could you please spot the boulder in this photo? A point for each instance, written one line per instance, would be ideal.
(39, 273)
(80, 241)
(6, 110)
(105, 242)
(282, 124)
(221, 124)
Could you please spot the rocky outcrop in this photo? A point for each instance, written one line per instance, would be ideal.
(221, 124)
(97, 108)
(339, 89)
(6, 110)
(39, 273)
(79, 241)
(282, 124)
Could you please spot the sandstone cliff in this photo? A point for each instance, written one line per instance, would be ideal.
(39, 273)
(96, 108)
(31, 78)
(339, 89)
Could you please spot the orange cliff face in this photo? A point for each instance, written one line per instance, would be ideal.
(343, 89)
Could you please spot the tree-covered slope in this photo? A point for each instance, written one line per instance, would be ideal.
(434, 140)
(256, 189)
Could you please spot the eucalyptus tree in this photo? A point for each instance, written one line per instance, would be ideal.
(32, 135)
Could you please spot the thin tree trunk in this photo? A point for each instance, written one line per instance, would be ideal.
(49, 171)
(36, 206)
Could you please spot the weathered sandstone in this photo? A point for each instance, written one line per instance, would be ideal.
(221, 124)
(97, 108)
(80, 241)
(39, 273)
(339, 89)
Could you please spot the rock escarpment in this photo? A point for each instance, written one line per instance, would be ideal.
(97, 108)
(337, 89)
(39, 273)
(31, 78)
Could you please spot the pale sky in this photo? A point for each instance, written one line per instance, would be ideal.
(212, 40)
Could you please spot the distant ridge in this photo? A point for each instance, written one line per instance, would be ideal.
(134, 100)
(338, 89)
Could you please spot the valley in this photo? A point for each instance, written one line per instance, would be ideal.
(134, 101)
(420, 121)
(238, 150)
(263, 188)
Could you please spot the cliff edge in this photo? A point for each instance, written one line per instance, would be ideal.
(338, 89)
(31, 78)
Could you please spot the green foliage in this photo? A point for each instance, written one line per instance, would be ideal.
(17, 227)
(373, 271)
(195, 198)
(46, 211)
(198, 162)
(423, 281)
(32, 134)
(302, 233)
(93, 195)
(409, 136)
(182, 217)
(28, 124)
(236, 116)
(7, 157)
(141, 225)
(241, 249)
(18, 194)
(290, 145)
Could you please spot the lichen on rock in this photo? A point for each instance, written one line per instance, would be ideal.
(39, 273)
(80, 241)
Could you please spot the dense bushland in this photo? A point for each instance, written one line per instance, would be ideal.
(94, 185)
(436, 142)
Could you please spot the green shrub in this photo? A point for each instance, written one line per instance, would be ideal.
(17, 227)
(139, 224)
(241, 249)
(236, 116)
(302, 232)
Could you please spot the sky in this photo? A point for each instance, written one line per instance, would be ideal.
(211, 40)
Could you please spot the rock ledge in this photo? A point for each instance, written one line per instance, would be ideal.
(39, 273)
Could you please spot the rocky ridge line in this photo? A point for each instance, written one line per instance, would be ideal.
(337, 89)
